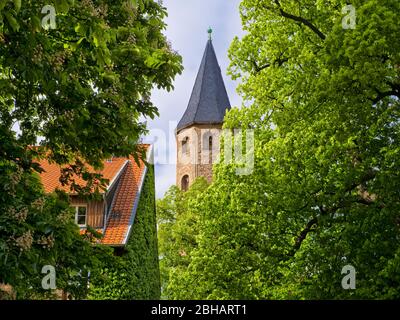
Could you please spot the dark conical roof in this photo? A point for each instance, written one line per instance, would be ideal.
(209, 100)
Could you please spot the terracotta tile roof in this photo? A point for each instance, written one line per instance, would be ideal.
(126, 198)
(124, 208)
(52, 172)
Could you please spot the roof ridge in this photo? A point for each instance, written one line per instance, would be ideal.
(220, 72)
(203, 73)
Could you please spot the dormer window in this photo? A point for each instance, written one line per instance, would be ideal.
(81, 216)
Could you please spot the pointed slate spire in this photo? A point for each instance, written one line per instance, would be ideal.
(209, 100)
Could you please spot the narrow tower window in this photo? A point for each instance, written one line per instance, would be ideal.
(185, 146)
(185, 183)
(210, 150)
(207, 157)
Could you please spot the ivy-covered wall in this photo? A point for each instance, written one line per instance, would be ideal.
(133, 273)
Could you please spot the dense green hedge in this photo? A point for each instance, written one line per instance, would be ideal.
(133, 273)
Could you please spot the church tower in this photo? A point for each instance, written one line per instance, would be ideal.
(198, 132)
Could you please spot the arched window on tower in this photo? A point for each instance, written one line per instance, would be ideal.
(185, 146)
(185, 183)
(207, 156)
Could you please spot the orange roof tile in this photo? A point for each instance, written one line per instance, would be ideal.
(52, 172)
(121, 216)
(123, 211)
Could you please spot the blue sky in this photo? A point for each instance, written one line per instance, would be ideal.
(188, 21)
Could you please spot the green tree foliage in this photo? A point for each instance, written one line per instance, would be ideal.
(134, 272)
(177, 230)
(82, 88)
(38, 230)
(324, 105)
(84, 85)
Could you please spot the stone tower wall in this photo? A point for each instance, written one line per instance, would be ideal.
(198, 160)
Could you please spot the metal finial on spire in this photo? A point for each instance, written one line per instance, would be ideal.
(210, 33)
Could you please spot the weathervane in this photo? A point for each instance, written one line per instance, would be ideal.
(210, 33)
